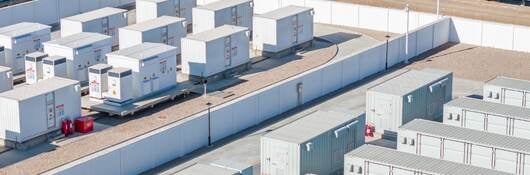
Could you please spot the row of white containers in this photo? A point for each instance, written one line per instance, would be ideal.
(467, 146)
(40, 66)
(226, 12)
(508, 91)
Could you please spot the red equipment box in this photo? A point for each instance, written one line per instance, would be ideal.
(66, 127)
(369, 130)
(84, 124)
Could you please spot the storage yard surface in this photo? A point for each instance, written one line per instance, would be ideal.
(172, 111)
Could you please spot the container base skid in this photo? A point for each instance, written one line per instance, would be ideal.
(287, 51)
(131, 108)
(31, 142)
(221, 75)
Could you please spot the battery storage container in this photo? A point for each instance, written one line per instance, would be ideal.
(98, 80)
(120, 86)
(282, 28)
(165, 29)
(314, 144)
(208, 53)
(21, 39)
(81, 50)
(151, 9)
(6, 79)
(37, 109)
(376, 160)
(462, 145)
(34, 67)
(508, 91)
(153, 67)
(54, 66)
(105, 21)
(411, 95)
(225, 12)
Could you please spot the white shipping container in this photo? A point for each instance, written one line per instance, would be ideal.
(314, 144)
(151, 9)
(411, 95)
(166, 30)
(153, 67)
(98, 80)
(6, 79)
(20, 39)
(120, 85)
(377, 160)
(33, 65)
(54, 66)
(468, 146)
(214, 51)
(508, 91)
(105, 21)
(225, 12)
(282, 28)
(34, 110)
(81, 50)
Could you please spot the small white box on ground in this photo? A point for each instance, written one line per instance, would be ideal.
(105, 21)
(214, 51)
(151, 9)
(120, 85)
(20, 39)
(33, 65)
(6, 79)
(282, 28)
(98, 80)
(37, 109)
(508, 91)
(166, 30)
(225, 12)
(81, 50)
(153, 67)
(54, 66)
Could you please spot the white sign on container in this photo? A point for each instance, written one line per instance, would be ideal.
(33, 66)
(54, 66)
(226, 12)
(20, 39)
(166, 30)
(105, 21)
(120, 85)
(214, 51)
(6, 79)
(151, 9)
(98, 80)
(81, 50)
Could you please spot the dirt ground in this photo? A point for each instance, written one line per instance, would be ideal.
(476, 63)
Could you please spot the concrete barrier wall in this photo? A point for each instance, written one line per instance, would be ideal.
(51, 11)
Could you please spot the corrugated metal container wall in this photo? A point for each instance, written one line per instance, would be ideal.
(105, 21)
(33, 110)
(462, 145)
(226, 12)
(20, 39)
(167, 30)
(508, 91)
(6, 79)
(282, 28)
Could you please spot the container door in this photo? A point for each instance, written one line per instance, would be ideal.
(294, 25)
(228, 51)
(430, 146)
(235, 17)
(401, 171)
(454, 151)
(278, 162)
(146, 85)
(383, 115)
(505, 161)
(527, 100)
(474, 120)
(378, 169)
(497, 124)
(436, 101)
(521, 129)
(164, 36)
(105, 26)
(50, 109)
(481, 156)
(512, 97)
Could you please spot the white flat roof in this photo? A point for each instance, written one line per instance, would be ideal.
(154, 23)
(218, 5)
(39, 88)
(22, 28)
(284, 12)
(219, 32)
(79, 40)
(96, 14)
(409, 81)
(510, 83)
(143, 51)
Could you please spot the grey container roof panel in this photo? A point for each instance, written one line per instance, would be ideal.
(154, 23)
(491, 108)
(142, 51)
(96, 14)
(22, 28)
(468, 135)
(405, 160)
(511, 83)
(202, 169)
(219, 32)
(409, 81)
(78, 40)
(218, 5)
(42, 87)
(284, 12)
(310, 126)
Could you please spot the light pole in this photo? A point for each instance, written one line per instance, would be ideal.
(386, 58)
(407, 36)
(438, 8)
(209, 124)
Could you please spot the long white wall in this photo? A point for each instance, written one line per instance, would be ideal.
(51, 11)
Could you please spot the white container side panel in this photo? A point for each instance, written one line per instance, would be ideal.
(474, 120)
(9, 113)
(269, 101)
(279, 157)
(204, 20)
(69, 27)
(263, 6)
(453, 116)
(454, 151)
(505, 161)
(17, 48)
(194, 55)
(239, 15)
(313, 85)
(521, 129)
(492, 93)
(513, 97)
(481, 156)
(170, 35)
(384, 111)
(430, 146)
(133, 38)
(146, 10)
(407, 147)
(107, 25)
(6, 81)
(294, 30)
(222, 120)
(239, 54)
(497, 124)
(264, 34)
(289, 95)
(245, 113)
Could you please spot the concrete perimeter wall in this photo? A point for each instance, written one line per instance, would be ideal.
(173, 141)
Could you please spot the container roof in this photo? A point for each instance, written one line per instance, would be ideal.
(218, 5)
(54, 57)
(310, 126)
(22, 28)
(143, 51)
(405, 160)
(219, 32)
(206, 169)
(409, 81)
(4, 69)
(468, 135)
(284, 12)
(96, 14)
(510, 83)
(100, 66)
(491, 108)
(78, 40)
(119, 70)
(154, 23)
(42, 87)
